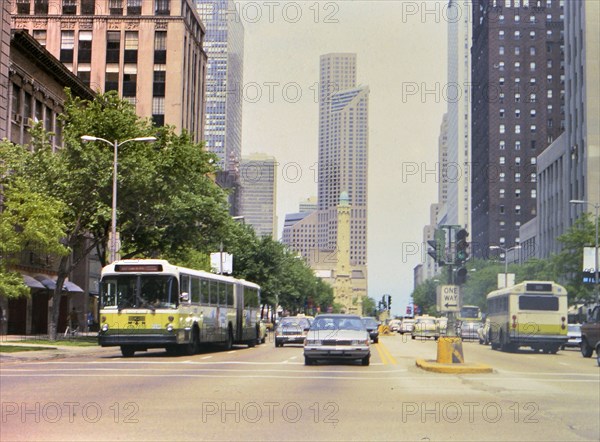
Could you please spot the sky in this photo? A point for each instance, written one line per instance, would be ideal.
(401, 49)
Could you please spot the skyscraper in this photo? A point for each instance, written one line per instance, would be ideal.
(224, 45)
(455, 176)
(258, 193)
(518, 87)
(343, 153)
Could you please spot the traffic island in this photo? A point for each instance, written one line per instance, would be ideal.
(450, 359)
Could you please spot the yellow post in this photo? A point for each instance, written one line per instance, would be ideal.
(450, 351)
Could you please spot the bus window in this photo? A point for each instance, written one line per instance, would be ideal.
(547, 303)
(214, 295)
(185, 283)
(204, 291)
(230, 295)
(222, 294)
(195, 289)
(250, 297)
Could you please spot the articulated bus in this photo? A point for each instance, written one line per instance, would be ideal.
(150, 303)
(532, 313)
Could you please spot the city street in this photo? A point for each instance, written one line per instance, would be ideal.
(267, 393)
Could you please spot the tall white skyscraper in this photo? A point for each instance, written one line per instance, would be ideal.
(258, 174)
(343, 153)
(456, 173)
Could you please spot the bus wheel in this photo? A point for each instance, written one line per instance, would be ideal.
(127, 351)
(172, 350)
(586, 350)
(193, 346)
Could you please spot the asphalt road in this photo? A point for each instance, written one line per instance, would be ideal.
(266, 393)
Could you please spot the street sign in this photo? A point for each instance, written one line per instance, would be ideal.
(448, 299)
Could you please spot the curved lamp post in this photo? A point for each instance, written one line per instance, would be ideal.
(505, 250)
(116, 145)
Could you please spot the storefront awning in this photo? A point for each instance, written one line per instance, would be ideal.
(33, 283)
(68, 286)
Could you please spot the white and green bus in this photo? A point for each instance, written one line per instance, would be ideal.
(150, 303)
(532, 313)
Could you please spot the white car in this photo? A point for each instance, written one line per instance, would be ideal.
(406, 326)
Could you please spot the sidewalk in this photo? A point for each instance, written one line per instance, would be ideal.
(50, 351)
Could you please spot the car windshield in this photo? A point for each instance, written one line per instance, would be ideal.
(299, 323)
(370, 322)
(331, 323)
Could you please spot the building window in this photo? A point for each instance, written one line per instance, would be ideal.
(502, 177)
(517, 145)
(40, 36)
(134, 7)
(517, 209)
(518, 193)
(502, 239)
(158, 110)
(84, 49)
(532, 50)
(130, 81)
(162, 7)
(501, 35)
(88, 7)
(517, 65)
(501, 113)
(532, 98)
(517, 128)
(533, 193)
(532, 66)
(111, 81)
(533, 177)
(69, 7)
(115, 7)
(517, 113)
(160, 47)
(532, 113)
(113, 46)
(517, 50)
(502, 192)
(502, 160)
(502, 145)
(501, 50)
(131, 47)
(533, 128)
(517, 177)
(502, 128)
(23, 6)
(532, 34)
(67, 43)
(160, 78)
(517, 35)
(501, 208)
(40, 7)
(517, 161)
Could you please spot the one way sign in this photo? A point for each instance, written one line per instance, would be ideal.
(448, 299)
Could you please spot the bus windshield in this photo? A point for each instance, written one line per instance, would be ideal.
(470, 313)
(139, 291)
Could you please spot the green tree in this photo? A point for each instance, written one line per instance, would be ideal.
(167, 202)
(568, 264)
(30, 219)
(425, 296)
(369, 306)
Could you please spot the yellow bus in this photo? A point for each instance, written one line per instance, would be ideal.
(150, 303)
(532, 313)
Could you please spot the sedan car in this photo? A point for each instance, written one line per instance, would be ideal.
(337, 337)
(291, 330)
(483, 333)
(469, 329)
(372, 327)
(426, 328)
(574, 335)
(406, 326)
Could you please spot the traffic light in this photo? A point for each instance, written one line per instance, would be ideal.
(461, 276)
(438, 247)
(461, 246)
(389, 301)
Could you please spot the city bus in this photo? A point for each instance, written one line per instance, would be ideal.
(532, 313)
(149, 303)
(469, 313)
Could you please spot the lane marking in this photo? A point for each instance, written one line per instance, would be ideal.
(388, 354)
(381, 354)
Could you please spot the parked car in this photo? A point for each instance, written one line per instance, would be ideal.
(337, 337)
(372, 327)
(426, 327)
(406, 326)
(590, 335)
(468, 329)
(394, 325)
(291, 330)
(574, 335)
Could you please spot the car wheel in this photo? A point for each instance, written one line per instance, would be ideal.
(366, 360)
(127, 351)
(376, 340)
(586, 350)
(308, 361)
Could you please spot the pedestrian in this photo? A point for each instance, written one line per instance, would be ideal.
(90, 321)
(73, 321)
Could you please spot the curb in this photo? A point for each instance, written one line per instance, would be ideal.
(437, 367)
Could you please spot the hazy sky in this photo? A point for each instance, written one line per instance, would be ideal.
(401, 51)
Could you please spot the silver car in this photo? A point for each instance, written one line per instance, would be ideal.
(335, 336)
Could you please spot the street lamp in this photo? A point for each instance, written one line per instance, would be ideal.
(596, 282)
(116, 145)
(505, 250)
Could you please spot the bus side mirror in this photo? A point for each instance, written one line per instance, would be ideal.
(184, 297)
